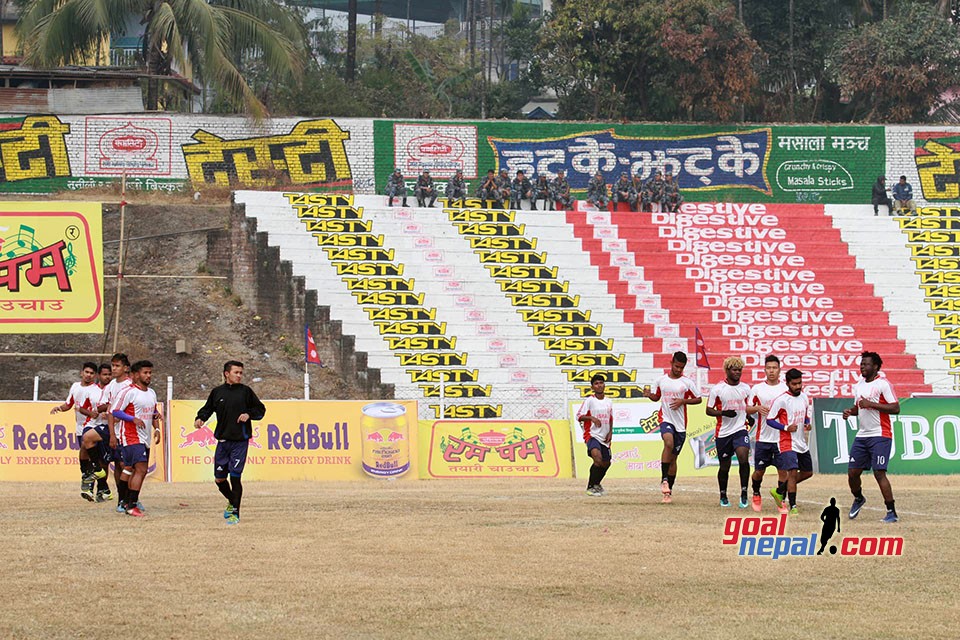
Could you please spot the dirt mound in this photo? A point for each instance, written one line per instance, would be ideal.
(169, 238)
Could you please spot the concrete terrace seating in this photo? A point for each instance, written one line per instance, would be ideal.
(510, 312)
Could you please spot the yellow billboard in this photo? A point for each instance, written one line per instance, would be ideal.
(37, 446)
(306, 440)
(51, 267)
(637, 446)
(495, 449)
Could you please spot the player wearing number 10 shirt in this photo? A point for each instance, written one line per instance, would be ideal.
(874, 403)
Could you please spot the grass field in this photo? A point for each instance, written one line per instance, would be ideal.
(486, 559)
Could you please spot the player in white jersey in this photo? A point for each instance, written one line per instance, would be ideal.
(82, 398)
(766, 446)
(675, 392)
(728, 404)
(874, 403)
(596, 417)
(136, 409)
(102, 441)
(790, 416)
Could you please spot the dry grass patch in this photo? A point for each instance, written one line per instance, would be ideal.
(496, 559)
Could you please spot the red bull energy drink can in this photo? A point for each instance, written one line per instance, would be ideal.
(386, 440)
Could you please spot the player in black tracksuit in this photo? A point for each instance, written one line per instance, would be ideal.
(235, 405)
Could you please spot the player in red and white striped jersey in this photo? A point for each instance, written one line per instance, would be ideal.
(790, 416)
(136, 409)
(102, 442)
(82, 399)
(874, 403)
(728, 404)
(765, 449)
(674, 391)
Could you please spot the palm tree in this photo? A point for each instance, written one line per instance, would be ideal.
(204, 33)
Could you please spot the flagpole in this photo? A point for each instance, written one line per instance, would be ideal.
(306, 381)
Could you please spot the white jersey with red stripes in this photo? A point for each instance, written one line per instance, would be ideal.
(602, 410)
(670, 389)
(764, 394)
(789, 409)
(83, 397)
(140, 403)
(873, 423)
(109, 395)
(724, 397)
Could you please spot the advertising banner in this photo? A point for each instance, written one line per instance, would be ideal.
(36, 446)
(306, 440)
(637, 446)
(926, 435)
(832, 164)
(51, 267)
(495, 449)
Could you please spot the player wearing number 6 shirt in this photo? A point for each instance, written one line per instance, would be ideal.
(675, 392)
(136, 409)
(596, 417)
(766, 450)
(790, 416)
(728, 404)
(874, 403)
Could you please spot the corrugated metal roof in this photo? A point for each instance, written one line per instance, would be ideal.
(72, 101)
(101, 100)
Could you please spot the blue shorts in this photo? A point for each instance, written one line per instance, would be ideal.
(229, 458)
(727, 446)
(766, 454)
(593, 443)
(135, 453)
(790, 460)
(870, 453)
(103, 431)
(679, 437)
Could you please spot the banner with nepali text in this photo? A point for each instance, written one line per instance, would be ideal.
(51, 267)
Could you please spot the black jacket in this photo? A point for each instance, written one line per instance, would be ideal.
(879, 191)
(228, 401)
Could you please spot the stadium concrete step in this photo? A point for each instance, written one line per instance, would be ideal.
(685, 253)
(887, 250)
(410, 286)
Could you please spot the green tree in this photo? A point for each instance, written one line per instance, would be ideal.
(898, 69)
(213, 36)
(598, 55)
(708, 60)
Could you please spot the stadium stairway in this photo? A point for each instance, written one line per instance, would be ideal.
(914, 263)
(758, 278)
(501, 312)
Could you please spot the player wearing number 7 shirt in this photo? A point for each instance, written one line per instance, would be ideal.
(874, 403)
(675, 392)
(728, 404)
(790, 415)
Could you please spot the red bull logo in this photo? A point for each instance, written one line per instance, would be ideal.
(253, 439)
(202, 437)
(375, 436)
(396, 436)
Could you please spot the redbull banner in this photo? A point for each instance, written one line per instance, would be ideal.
(305, 440)
(51, 267)
(494, 449)
(926, 435)
(37, 446)
(637, 446)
